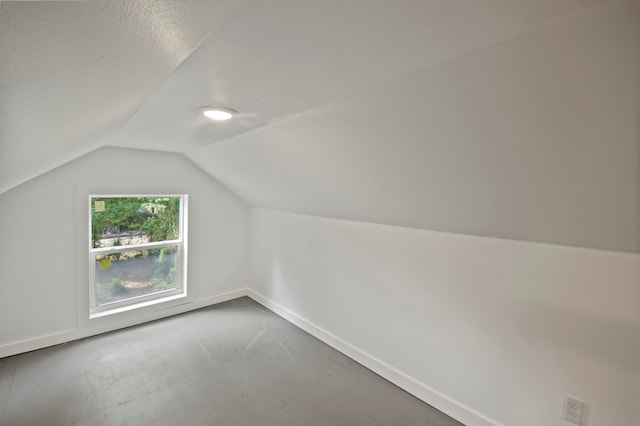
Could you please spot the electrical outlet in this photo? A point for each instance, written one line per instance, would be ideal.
(574, 410)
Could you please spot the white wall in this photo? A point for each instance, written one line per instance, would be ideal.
(43, 267)
(491, 331)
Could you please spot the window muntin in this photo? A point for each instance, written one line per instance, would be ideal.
(136, 249)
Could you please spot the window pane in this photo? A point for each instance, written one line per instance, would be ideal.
(127, 274)
(134, 220)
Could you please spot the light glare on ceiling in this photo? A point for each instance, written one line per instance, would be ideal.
(219, 113)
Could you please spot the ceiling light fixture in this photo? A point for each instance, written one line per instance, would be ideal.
(219, 113)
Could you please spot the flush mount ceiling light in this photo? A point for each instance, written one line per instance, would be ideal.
(218, 113)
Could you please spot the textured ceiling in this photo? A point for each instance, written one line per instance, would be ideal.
(73, 72)
(278, 58)
(515, 119)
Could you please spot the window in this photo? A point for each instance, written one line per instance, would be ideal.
(137, 252)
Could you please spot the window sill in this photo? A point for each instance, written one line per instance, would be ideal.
(104, 313)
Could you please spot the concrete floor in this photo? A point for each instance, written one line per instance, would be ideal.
(235, 363)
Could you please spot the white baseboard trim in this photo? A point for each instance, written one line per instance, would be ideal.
(40, 342)
(420, 390)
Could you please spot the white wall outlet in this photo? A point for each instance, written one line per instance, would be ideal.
(574, 410)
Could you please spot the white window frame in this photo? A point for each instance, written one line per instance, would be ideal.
(136, 302)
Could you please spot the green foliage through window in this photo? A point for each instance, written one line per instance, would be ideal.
(154, 218)
(136, 249)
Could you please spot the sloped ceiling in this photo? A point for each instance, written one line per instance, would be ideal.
(73, 72)
(514, 119)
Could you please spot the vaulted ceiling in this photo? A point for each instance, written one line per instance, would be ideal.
(515, 119)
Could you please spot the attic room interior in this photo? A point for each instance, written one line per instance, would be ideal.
(437, 201)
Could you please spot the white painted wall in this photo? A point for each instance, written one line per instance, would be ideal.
(43, 267)
(491, 331)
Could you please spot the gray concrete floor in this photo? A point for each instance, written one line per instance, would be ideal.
(235, 363)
